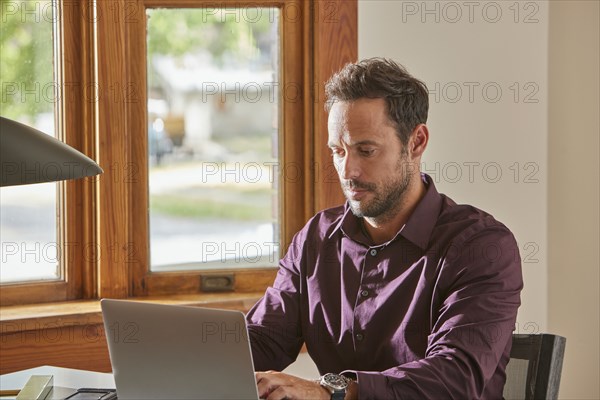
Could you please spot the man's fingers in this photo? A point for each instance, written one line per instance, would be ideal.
(274, 385)
(282, 393)
(262, 375)
(267, 382)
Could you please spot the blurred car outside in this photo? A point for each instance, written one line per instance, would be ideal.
(159, 143)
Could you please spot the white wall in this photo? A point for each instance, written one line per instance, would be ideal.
(486, 45)
(573, 202)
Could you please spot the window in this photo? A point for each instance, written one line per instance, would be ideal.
(108, 98)
(42, 239)
(30, 251)
(213, 134)
(238, 244)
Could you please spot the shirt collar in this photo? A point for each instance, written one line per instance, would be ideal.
(421, 222)
(348, 220)
(418, 227)
(349, 225)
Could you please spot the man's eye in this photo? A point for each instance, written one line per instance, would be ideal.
(367, 152)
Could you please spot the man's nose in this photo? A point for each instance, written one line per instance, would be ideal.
(349, 168)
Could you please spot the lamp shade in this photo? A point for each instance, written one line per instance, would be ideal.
(30, 156)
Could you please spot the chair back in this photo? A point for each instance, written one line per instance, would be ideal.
(534, 368)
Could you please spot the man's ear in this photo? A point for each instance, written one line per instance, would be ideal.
(418, 141)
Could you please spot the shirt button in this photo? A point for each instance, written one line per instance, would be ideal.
(373, 252)
(364, 293)
(359, 336)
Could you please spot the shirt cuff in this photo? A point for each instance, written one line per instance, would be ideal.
(371, 384)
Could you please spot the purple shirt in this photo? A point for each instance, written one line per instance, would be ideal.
(427, 315)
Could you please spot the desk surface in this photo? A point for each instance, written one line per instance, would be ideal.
(66, 380)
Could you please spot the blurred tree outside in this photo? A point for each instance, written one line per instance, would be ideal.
(26, 45)
(232, 37)
(27, 86)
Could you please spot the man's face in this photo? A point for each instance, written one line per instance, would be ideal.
(370, 160)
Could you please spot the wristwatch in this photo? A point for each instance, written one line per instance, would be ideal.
(336, 384)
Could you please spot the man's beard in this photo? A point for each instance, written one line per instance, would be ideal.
(387, 200)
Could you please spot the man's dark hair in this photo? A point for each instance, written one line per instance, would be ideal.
(406, 97)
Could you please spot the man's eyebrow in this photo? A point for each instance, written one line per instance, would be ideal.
(367, 142)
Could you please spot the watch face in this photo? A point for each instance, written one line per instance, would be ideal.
(335, 381)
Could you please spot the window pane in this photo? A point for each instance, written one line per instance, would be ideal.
(213, 137)
(28, 228)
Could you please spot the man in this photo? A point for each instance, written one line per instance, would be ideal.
(400, 293)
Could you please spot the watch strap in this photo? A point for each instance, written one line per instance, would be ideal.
(338, 394)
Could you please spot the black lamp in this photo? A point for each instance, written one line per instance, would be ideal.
(30, 156)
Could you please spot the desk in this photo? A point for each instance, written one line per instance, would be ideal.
(66, 380)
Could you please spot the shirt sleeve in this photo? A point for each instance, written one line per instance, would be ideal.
(478, 293)
(274, 321)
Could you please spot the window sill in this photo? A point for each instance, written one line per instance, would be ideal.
(22, 318)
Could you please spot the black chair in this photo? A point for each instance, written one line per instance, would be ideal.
(535, 365)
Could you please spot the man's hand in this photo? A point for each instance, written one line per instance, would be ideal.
(274, 385)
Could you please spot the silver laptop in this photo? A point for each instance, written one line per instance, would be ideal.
(174, 352)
